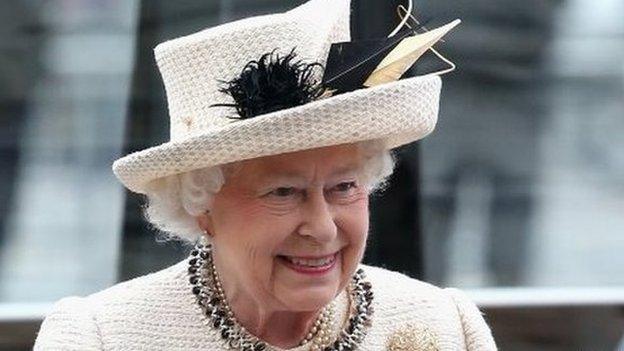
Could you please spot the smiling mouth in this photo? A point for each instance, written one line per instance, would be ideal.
(311, 262)
(310, 265)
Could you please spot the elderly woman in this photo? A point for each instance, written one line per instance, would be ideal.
(280, 130)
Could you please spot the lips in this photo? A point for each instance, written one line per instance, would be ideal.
(310, 265)
(311, 262)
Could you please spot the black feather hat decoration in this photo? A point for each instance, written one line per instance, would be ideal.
(272, 83)
(275, 82)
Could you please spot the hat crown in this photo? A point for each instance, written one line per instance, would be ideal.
(192, 66)
(202, 134)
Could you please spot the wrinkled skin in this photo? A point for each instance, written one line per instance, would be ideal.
(306, 203)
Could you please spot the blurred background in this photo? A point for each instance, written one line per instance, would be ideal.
(517, 197)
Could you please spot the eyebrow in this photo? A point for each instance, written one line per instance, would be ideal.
(351, 167)
(295, 176)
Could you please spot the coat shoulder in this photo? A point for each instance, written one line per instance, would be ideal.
(70, 325)
(389, 278)
(153, 309)
(403, 292)
(435, 318)
(146, 287)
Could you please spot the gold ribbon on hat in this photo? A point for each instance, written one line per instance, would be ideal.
(409, 50)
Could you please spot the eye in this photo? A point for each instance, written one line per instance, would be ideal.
(283, 191)
(345, 186)
(345, 192)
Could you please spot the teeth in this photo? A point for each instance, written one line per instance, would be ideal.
(311, 262)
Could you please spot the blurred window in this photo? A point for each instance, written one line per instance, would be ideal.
(65, 73)
(519, 186)
(523, 178)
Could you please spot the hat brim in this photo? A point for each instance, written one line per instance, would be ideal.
(396, 113)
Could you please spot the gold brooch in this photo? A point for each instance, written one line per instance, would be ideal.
(413, 337)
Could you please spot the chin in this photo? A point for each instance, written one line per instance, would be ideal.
(308, 289)
(311, 299)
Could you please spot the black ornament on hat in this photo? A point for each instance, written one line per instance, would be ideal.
(275, 82)
(272, 83)
(350, 63)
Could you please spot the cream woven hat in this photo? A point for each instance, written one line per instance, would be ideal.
(203, 135)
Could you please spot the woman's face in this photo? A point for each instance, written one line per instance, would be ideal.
(289, 230)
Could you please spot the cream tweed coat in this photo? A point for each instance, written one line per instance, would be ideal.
(158, 312)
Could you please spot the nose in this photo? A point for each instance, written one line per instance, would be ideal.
(318, 220)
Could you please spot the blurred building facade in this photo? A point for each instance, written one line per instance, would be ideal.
(517, 196)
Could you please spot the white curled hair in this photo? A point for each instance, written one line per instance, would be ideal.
(174, 201)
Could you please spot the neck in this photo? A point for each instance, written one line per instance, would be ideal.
(279, 327)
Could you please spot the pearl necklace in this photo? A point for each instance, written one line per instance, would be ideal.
(321, 330)
(207, 288)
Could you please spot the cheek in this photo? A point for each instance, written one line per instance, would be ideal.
(249, 237)
(251, 229)
(353, 223)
